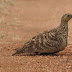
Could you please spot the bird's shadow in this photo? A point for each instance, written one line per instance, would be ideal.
(48, 54)
(39, 54)
(42, 54)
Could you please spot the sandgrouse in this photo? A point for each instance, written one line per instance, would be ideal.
(50, 41)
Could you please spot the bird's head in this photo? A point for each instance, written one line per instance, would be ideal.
(66, 17)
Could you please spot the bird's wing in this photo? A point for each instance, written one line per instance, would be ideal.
(54, 40)
(45, 40)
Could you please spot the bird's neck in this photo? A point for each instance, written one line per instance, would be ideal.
(63, 26)
(63, 30)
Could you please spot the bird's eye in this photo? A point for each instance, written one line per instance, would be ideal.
(68, 15)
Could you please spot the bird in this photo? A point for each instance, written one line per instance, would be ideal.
(49, 41)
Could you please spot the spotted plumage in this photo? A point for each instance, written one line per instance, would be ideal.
(50, 41)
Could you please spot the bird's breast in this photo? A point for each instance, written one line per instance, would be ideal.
(64, 44)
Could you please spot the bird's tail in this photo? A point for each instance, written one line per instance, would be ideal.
(25, 48)
(18, 51)
(14, 54)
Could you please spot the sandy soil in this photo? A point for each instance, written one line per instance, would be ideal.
(20, 20)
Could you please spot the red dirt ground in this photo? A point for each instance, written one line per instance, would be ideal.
(20, 20)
